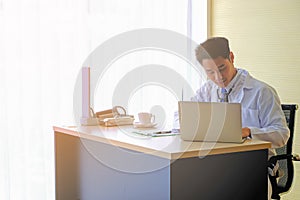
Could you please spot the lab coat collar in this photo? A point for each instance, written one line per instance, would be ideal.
(244, 82)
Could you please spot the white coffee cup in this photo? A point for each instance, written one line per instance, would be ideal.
(146, 118)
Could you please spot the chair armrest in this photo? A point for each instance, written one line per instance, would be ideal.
(274, 159)
(296, 157)
(272, 162)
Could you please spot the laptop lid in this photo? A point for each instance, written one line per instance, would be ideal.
(210, 121)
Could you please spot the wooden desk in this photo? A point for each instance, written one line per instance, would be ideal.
(113, 163)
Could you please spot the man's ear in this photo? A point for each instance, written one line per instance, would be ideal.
(231, 57)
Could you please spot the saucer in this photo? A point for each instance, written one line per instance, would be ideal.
(140, 125)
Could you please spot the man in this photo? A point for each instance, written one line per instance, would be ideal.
(262, 117)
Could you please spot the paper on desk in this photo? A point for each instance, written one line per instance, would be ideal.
(155, 133)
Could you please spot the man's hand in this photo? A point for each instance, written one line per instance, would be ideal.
(246, 132)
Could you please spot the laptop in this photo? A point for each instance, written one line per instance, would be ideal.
(210, 121)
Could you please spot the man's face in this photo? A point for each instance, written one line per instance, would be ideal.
(220, 70)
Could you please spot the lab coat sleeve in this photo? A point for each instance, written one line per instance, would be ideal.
(273, 127)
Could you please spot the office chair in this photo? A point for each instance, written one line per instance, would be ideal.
(282, 180)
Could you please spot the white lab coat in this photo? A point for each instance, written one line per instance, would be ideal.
(261, 107)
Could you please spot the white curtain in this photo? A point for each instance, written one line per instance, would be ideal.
(43, 44)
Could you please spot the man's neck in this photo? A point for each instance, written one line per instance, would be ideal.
(233, 80)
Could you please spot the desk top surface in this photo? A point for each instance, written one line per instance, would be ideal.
(170, 147)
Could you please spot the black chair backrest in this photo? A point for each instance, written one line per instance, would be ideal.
(286, 165)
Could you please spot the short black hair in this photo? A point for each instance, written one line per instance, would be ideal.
(213, 48)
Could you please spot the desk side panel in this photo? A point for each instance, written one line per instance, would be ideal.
(67, 150)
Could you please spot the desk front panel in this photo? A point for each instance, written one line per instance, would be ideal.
(240, 176)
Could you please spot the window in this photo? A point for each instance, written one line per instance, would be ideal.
(43, 47)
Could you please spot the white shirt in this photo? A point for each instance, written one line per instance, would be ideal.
(261, 107)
